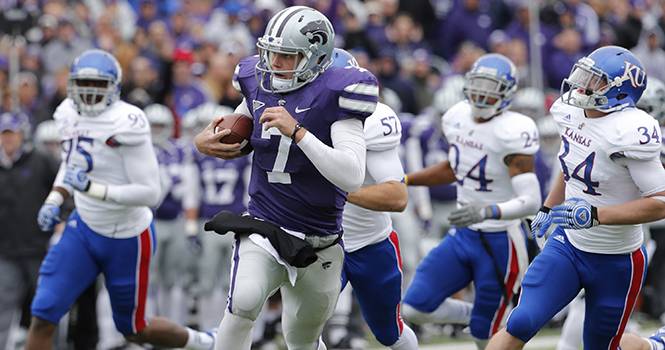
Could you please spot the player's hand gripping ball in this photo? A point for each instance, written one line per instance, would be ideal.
(241, 131)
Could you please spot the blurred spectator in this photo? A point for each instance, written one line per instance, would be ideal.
(425, 79)
(469, 22)
(61, 51)
(230, 19)
(29, 97)
(142, 86)
(31, 60)
(376, 23)
(518, 28)
(626, 20)
(585, 20)
(650, 52)
(147, 13)
(405, 36)
(55, 91)
(49, 27)
(187, 90)
(422, 12)
(26, 175)
(388, 76)
(180, 31)
(160, 43)
(566, 51)
(219, 77)
(356, 35)
(463, 60)
(122, 17)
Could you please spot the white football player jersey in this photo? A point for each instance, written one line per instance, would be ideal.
(383, 132)
(477, 152)
(94, 144)
(586, 154)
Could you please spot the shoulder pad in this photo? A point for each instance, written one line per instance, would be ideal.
(518, 133)
(244, 70)
(358, 88)
(450, 117)
(637, 135)
(131, 126)
(383, 129)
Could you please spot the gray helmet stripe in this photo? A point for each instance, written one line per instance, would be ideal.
(278, 19)
(286, 20)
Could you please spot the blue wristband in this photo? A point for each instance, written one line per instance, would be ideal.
(495, 211)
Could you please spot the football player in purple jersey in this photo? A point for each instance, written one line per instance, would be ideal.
(309, 152)
(221, 184)
(611, 181)
(169, 217)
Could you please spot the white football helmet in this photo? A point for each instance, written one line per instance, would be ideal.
(94, 81)
(196, 119)
(450, 92)
(296, 30)
(529, 101)
(550, 141)
(161, 122)
(653, 99)
(48, 137)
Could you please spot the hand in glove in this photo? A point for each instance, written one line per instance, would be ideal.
(472, 213)
(78, 178)
(47, 217)
(539, 226)
(575, 213)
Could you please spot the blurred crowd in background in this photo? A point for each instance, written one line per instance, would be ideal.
(182, 53)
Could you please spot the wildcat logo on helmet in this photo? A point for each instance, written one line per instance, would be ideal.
(633, 73)
(316, 32)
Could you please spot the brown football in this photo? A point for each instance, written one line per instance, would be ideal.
(241, 131)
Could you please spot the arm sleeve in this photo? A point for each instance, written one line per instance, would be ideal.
(344, 164)
(143, 174)
(528, 200)
(385, 166)
(649, 176)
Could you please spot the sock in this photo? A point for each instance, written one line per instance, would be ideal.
(406, 341)
(198, 340)
(481, 343)
(450, 311)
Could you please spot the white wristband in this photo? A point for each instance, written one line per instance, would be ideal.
(191, 227)
(55, 198)
(96, 191)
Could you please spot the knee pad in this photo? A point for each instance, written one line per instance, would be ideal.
(521, 325)
(247, 299)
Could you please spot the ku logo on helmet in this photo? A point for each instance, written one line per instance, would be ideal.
(633, 73)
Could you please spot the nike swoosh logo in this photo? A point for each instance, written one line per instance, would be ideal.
(298, 110)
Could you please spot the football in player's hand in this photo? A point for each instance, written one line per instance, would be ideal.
(241, 131)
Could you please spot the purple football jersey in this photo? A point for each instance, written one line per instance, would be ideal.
(170, 157)
(285, 187)
(223, 184)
